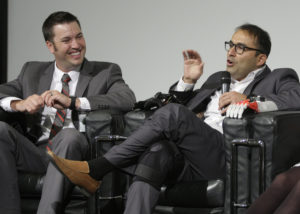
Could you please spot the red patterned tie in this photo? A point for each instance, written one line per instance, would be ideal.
(60, 116)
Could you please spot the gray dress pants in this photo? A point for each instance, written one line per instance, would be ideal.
(201, 146)
(17, 153)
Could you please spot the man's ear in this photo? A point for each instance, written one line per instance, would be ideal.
(261, 59)
(50, 46)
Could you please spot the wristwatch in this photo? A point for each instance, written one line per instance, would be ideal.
(73, 103)
(256, 98)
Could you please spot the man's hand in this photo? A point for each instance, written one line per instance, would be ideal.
(31, 104)
(230, 98)
(193, 66)
(55, 99)
(236, 110)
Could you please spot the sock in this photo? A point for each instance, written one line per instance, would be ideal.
(99, 167)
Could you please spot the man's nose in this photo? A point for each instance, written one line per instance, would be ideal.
(75, 43)
(232, 51)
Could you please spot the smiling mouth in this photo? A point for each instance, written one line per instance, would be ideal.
(75, 53)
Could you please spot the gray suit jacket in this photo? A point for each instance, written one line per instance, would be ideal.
(281, 86)
(100, 82)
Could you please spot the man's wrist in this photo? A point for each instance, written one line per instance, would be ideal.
(73, 103)
(182, 86)
(13, 105)
(189, 80)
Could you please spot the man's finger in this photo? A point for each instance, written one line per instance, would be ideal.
(228, 112)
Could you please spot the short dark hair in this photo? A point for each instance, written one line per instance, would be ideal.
(59, 17)
(262, 37)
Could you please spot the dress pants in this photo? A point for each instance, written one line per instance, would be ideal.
(164, 162)
(201, 146)
(71, 144)
(17, 153)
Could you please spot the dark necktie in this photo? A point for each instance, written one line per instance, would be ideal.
(60, 116)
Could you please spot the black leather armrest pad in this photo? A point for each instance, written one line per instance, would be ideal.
(134, 119)
(15, 119)
(280, 131)
(103, 122)
(194, 194)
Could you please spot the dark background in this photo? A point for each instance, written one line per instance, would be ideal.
(3, 41)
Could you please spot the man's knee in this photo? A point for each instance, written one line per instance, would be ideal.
(173, 112)
(171, 108)
(71, 138)
(3, 127)
(159, 161)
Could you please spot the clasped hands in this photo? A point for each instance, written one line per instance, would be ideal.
(33, 103)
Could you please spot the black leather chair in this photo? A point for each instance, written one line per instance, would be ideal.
(30, 185)
(264, 145)
(271, 136)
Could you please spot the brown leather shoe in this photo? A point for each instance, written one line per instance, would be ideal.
(76, 172)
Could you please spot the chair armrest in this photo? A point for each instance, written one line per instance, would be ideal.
(103, 122)
(279, 131)
(10, 116)
(4, 116)
(107, 122)
(134, 119)
(15, 119)
(101, 128)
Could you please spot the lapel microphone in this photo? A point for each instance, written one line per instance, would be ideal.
(225, 81)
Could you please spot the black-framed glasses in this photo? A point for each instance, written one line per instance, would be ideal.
(239, 48)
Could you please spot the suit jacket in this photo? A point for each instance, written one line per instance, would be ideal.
(280, 86)
(100, 82)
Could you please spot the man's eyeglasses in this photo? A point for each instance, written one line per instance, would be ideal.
(239, 48)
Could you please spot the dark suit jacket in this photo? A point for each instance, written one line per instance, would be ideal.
(281, 86)
(100, 82)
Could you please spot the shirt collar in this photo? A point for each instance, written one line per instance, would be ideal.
(74, 74)
(250, 76)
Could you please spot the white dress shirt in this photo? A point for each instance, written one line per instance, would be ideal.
(212, 114)
(48, 113)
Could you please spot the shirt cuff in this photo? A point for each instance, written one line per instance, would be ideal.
(84, 104)
(182, 86)
(5, 103)
(266, 106)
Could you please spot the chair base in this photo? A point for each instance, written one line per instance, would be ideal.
(187, 210)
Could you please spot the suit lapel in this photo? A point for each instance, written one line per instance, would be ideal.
(84, 78)
(207, 89)
(45, 79)
(213, 84)
(257, 79)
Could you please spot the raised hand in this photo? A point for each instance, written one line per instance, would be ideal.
(193, 66)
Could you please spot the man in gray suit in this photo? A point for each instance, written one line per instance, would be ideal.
(184, 141)
(51, 94)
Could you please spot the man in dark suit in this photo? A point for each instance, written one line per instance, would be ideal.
(52, 95)
(184, 141)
